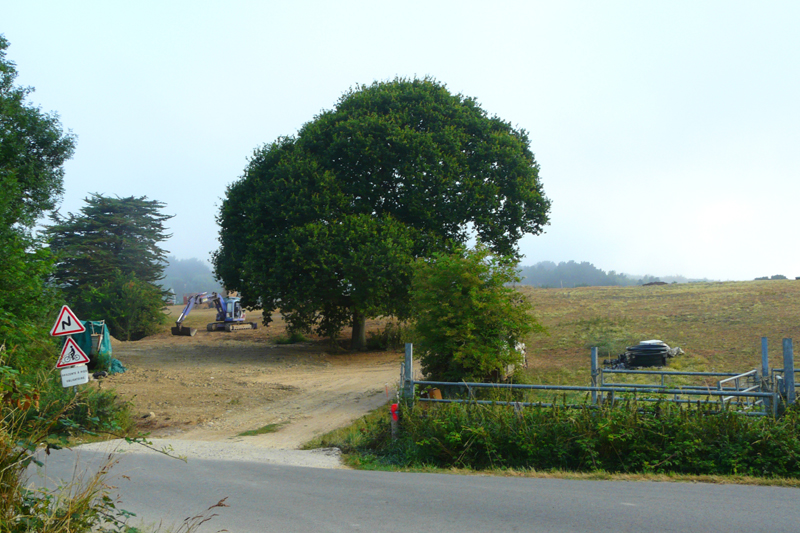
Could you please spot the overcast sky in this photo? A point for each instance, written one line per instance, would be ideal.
(668, 133)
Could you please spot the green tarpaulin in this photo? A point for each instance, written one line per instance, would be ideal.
(96, 343)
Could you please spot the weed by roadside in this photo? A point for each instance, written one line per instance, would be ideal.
(33, 418)
(269, 428)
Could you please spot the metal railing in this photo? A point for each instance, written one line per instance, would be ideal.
(755, 393)
(732, 382)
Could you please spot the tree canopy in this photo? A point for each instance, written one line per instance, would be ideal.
(33, 149)
(109, 262)
(109, 234)
(326, 225)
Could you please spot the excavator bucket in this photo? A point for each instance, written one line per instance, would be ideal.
(183, 331)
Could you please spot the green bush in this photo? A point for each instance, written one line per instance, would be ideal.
(632, 438)
(92, 411)
(468, 319)
(389, 338)
(131, 308)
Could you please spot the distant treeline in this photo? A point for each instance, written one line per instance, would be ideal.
(584, 274)
(187, 276)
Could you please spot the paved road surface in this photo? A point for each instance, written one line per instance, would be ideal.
(277, 498)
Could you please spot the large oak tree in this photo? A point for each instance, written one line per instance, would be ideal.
(326, 225)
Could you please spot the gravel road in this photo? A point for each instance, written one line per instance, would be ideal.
(230, 451)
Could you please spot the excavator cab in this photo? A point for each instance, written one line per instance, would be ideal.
(230, 315)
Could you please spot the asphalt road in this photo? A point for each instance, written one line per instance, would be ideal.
(268, 497)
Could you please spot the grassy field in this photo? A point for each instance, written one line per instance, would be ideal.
(718, 325)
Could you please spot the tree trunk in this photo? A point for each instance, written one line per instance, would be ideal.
(358, 342)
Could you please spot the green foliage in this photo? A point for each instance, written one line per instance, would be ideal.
(26, 423)
(109, 262)
(468, 320)
(26, 302)
(131, 307)
(109, 234)
(326, 226)
(95, 411)
(632, 438)
(367, 436)
(33, 149)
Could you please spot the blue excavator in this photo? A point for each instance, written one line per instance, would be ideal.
(230, 315)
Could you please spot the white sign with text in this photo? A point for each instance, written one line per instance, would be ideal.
(74, 375)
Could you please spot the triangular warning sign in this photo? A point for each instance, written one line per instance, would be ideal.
(71, 354)
(67, 323)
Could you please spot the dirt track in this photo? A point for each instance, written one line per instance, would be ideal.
(216, 385)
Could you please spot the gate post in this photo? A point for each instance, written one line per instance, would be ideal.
(594, 374)
(408, 373)
(765, 381)
(788, 370)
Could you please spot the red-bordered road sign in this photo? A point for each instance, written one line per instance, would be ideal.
(71, 354)
(67, 323)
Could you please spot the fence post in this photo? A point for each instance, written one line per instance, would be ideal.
(765, 381)
(788, 370)
(594, 374)
(408, 373)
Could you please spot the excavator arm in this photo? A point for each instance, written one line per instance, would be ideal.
(179, 328)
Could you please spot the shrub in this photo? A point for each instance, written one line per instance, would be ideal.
(660, 438)
(389, 338)
(468, 319)
(131, 308)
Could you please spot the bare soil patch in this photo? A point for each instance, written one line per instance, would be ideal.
(215, 385)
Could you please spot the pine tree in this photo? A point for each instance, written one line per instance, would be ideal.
(109, 234)
(111, 245)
